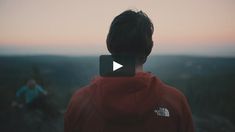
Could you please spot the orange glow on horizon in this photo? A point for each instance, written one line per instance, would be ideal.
(59, 24)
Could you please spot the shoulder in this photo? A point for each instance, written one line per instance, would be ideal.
(23, 88)
(77, 105)
(77, 108)
(173, 92)
(39, 86)
(80, 93)
(180, 106)
(166, 91)
(78, 100)
(173, 97)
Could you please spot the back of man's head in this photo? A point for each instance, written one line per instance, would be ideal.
(130, 33)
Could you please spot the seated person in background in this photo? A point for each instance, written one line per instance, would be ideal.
(31, 93)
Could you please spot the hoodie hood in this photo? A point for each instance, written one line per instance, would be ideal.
(125, 99)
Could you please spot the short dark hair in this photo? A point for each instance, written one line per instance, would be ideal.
(131, 33)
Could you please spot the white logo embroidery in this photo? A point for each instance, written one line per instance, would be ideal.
(162, 112)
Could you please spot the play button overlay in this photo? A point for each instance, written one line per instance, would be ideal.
(117, 66)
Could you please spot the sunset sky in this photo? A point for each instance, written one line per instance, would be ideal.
(79, 27)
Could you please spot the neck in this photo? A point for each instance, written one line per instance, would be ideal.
(139, 68)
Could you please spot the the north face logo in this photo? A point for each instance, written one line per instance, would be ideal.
(162, 112)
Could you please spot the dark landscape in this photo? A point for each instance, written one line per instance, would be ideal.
(207, 82)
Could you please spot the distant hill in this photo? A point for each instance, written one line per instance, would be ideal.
(208, 83)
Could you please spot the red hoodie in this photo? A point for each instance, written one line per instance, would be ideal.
(128, 104)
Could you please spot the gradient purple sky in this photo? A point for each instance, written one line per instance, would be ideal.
(76, 27)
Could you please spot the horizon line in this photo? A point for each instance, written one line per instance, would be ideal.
(97, 55)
